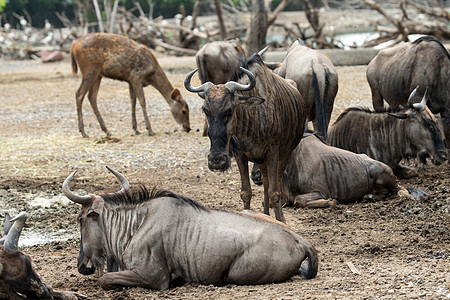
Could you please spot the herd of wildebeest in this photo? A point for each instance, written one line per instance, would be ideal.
(255, 112)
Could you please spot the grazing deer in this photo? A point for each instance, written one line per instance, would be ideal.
(114, 56)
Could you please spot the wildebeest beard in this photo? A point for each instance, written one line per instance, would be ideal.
(437, 143)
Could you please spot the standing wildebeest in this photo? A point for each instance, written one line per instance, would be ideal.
(396, 71)
(160, 236)
(262, 121)
(114, 56)
(316, 79)
(389, 135)
(219, 62)
(318, 174)
(17, 275)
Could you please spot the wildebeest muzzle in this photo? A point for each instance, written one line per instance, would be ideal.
(83, 263)
(218, 162)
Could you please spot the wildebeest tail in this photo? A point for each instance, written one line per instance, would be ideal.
(74, 62)
(321, 102)
(310, 270)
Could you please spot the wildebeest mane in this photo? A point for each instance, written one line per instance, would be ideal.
(141, 194)
(369, 111)
(429, 38)
(254, 59)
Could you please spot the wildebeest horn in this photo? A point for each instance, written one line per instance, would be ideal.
(75, 198)
(421, 106)
(261, 52)
(6, 228)
(7, 225)
(187, 84)
(234, 86)
(123, 181)
(424, 98)
(12, 239)
(413, 93)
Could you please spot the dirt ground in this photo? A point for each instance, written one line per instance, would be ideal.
(399, 247)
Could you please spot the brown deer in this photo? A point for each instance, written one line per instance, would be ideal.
(114, 56)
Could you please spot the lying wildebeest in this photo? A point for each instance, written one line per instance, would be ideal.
(17, 275)
(114, 56)
(318, 174)
(316, 79)
(389, 135)
(18, 279)
(219, 62)
(396, 71)
(261, 121)
(160, 237)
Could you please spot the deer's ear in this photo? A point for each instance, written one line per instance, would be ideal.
(176, 95)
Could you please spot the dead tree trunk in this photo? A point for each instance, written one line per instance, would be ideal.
(223, 31)
(259, 23)
(256, 35)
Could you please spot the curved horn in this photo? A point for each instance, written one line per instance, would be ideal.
(234, 86)
(421, 106)
(11, 241)
(424, 98)
(123, 181)
(261, 52)
(71, 196)
(187, 84)
(413, 93)
(6, 228)
(7, 225)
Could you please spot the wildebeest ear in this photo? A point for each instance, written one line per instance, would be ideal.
(176, 95)
(253, 100)
(399, 115)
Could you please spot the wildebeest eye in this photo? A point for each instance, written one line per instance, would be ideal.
(92, 214)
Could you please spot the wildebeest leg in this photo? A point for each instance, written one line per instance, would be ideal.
(278, 207)
(139, 92)
(153, 279)
(92, 96)
(274, 182)
(314, 199)
(85, 86)
(377, 100)
(246, 189)
(403, 172)
(133, 110)
(265, 181)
